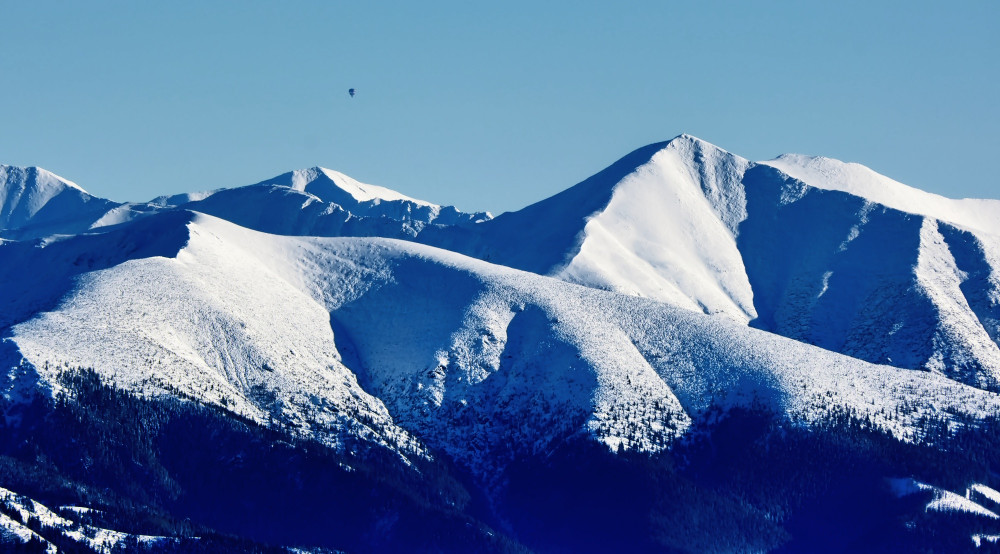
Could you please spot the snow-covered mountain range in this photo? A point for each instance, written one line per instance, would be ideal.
(629, 311)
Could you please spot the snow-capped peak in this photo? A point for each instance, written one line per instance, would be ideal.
(35, 202)
(660, 222)
(668, 232)
(13, 177)
(333, 186)
(362, 192)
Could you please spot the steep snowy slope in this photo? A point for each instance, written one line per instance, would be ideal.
(35, 202)
(673, 243)
(481, 361)
(830, 174)
(660, 222)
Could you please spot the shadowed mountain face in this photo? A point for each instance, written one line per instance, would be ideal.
(866, 280)
(653, 336)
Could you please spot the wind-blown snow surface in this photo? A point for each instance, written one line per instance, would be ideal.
(481, 361)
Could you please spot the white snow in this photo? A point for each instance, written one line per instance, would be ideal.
(215, 324)
(322, 202)
(661, 223)
(679, 246)
(689, 224)
(669, 233)
(856, 179)
(947, 501)
(480, 360)
(76, 509)
(979, 539)
(308, 180)
(943, 500)
(960, 337)
(453, 346)
(44, 203)
(13, 531)
(988, 493)
(96, 538)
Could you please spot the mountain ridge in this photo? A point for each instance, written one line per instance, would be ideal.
(685, 337)
(856, 179)
(690, 224)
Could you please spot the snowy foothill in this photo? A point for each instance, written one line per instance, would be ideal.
(943, 500)
(16, 529)
(208, 322)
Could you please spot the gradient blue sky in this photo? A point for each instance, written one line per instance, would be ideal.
(491, 106)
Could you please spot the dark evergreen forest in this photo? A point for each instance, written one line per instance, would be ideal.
(749, 480)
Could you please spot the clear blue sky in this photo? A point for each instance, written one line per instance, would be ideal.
(491, 106)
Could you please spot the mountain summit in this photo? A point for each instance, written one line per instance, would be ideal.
(660, 222)
(688, 351)
(36, 202)
(333, 186)
(324, 202)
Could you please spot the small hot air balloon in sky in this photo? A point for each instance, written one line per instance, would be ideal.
(351, 92)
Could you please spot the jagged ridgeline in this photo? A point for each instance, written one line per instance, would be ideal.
(687, 352)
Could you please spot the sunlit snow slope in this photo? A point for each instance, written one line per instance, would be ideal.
(661, 223)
